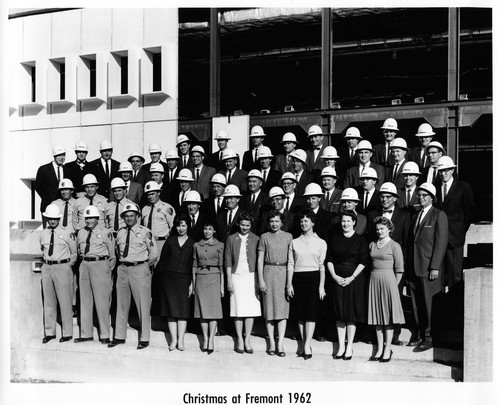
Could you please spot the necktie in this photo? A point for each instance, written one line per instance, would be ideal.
(65, 220)
(87, 242)
(408, 197)
(287, 206)
(366, 200)
(182, 197)
(91, 201)
(386, 213)
(193, 222)
(351, 154)
(255, 154)
(264, 175)
(58, 173)
(197, 174)
(228, 176)
(135, 175)
(327, 198)
(51, 245)
(287, 160)
(115, 225)
(434, 171)
(297, 177)
(423, 159)
(387, 152)
(184, 160)
(150, 219)
(418, 220)
(253, 199)
(220, 156)
(127, 242)
(230, 218)
(218, 203)
(445, 190)
(171, 176)
(395, 174)
(107, 167)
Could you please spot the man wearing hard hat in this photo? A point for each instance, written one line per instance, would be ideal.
(91, 197)
(201, 172)
(382, 154)
(215, 159)
(424, 134)
(314, 163)
(155, 154)
(66, 203)
(251, 156)
(106, 167)
(183, 148)
(283, 162)
(79, 167)
(394, 172)
(113, 219)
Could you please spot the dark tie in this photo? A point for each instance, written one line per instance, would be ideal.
(228, 176)
(87, 242)
(327, 199)
(91, 201)
(171, 176)
(197, 174)
(351, 154)
(220, 156)
(65, 220)
(445, 190)
(230, 219)
(386, 152)
(366, 200)
(135, 175)
(218, 204)
(182, 197)
(150, 219)
(387, 211)
(255, 155)
(58, 173)
(423, 159)
(287, 206)
(253, 199)
(115, 225)
(107, 167)
(127, 242)
(51, 245)
(264, 174)
(395, 174)
(419, 219)
(184, 159)
(434, 172)
(193, 222)
(408, 198)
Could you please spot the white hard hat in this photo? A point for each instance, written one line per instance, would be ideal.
(289, 137)
(349, 194)
(425, 129)
(66, 184)
(219, 178)
(288, 176)
(264, 152)
(410, 168)
(105, 145)
(390, 124)
(156, 168)
(58, 149)
(91, 212)
(136, 154)
(171, 154)
(329, 172)
(154, 148)
(389, 188)
(255, 173)
(299, 154)
(152, 186)
(329, 153)
(352, 132)
(89, 179)
(130, 207)
(275, 191)
(125, 167)
(198, 149)
(82, 146)
(314, 130)
(192, 196)
(445, 162)
(117, 183)
(221, 135)
(231, 191)
(229, 154)
(364, 145)
(52, 211)
(429, 187)
(399, 143)
(435, 144)
(313, 189)
(181, 139)
(185, 175)
(369, 173)
(257, 130)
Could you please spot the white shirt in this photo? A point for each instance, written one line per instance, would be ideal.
(256, 194)
(370, 195)
(430, 174)
(361, 168)
(103, 164)
(61, 170)
(424, 213)
(299, 175)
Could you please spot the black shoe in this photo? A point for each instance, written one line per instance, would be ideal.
(382, 360)
(116, 342)
(397, 342)
(374, 358)
(80, 340)
(337, 357)
(307, 356)
(423, 346)
(239, 351)
(280, 354)
(104, 341)
(221, 332)
(414, 342)
(65, 339)
(210, 351)
(203, 349)
(48, 338)
(294, 337)
(344, 357)
(271, 352)
(249, 351)
(142, 345)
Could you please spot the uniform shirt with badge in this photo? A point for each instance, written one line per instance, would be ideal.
(111, 213)
(162, 220)
(70, 212)
(101, 243)
(141, 244)
(64, 244)
(83, 202)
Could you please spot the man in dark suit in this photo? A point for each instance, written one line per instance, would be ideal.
(330, 201)
(370, 200)
(48, 177)
(228, 218)
(183, 147)
(155, 154)
(215, 159)
(393, 173)
(139, 174)
(283, 162)
(382, 154)
(251, 157)
(197, 219)
(78, 168)
(106, 167)
(256, 199)
(303, 177)
(202, 173)
(323, 223)
(292, 202)
(430, 174)
(455, 198)
(133, 191)
(365, 153)
(418, 154)
(186, 183)
(270, 177)
(172, 169)
(426, 250)
(213, 205)
(314, 163)
(407, 194)
(348, 156)
(232, 174)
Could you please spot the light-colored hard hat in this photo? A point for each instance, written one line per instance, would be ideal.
(154, 148)
(445, 162)
(65, 184)
(288, 176)
(289, 137)
(130, 207)
(349, 194)
(429, 187)
(264, 152)
(105, 145)
(185, 175)
(58, 149)
(352, 132)
(125, 167)
(399, 143)
(276, 191)
(435, 144)
(229, 154)
(255, 173)
(369, 173)
(222, 135)
(314, 130)
(81, 146)
(425, 129)
(299, 154)
(136, 154)
(390, 124)
(192, 196)
(364, 145)
(152, 186)
(117, 183)
(389, 188)
(91, 212)
(313, 189)
(171, 154)
(181, 139)
(329, 172)
(231, 191)
(89, 179)
(156, 168)
(198, 149)
(52, 211)
(257, 131)
(329, 153)
(410, 168)
(219, 179)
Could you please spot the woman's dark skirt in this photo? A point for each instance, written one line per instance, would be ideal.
(305, 304)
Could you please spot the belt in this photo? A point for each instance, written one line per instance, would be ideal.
(161, 238)
(128, 264)
(275, 264)
(94, 259)
(56, 261)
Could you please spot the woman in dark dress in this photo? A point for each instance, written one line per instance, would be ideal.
(347, 257)
(175, 267)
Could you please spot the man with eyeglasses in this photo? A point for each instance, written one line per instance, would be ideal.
(434, 151)
(427, 243)
(292, 202)
(202, 173)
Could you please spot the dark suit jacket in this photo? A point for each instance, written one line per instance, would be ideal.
(414, 156)
(400, 180)
(401, 220)
(373, 205)
(46, 185)
(248, 163)
(298, 204)
(143, 177)
(197, 232)
(239, 179)
(281, 166)
(423, 177)
(305, 179)
(224, 229)
(189, 163)
(401, 201)
(315, 166)
(208, 208)
(334, 202)
(212, 160)
(379, 155)
(459, 208)
(256, 209)
(134, 194)
(146, 167)
(323, 224)
(75, 173)
(273, 179)
(232, 252)
(105, 181)
(352, 176)
(203, 184)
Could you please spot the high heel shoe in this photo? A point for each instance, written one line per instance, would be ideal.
(374, 358)
(308, 356)
(347, 357)
(382, 360)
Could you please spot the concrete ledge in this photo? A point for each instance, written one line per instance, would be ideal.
(25, 241)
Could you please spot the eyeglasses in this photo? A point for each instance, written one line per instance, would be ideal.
(288, 183)
(422, 195)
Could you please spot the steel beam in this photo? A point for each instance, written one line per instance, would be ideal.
(214, 63)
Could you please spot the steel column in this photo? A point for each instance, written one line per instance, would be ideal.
(214, 63)
(326, 57)
(452, 140)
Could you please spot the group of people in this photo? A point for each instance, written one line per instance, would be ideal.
(198, 236)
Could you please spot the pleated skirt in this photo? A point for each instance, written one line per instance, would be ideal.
(384, 302)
